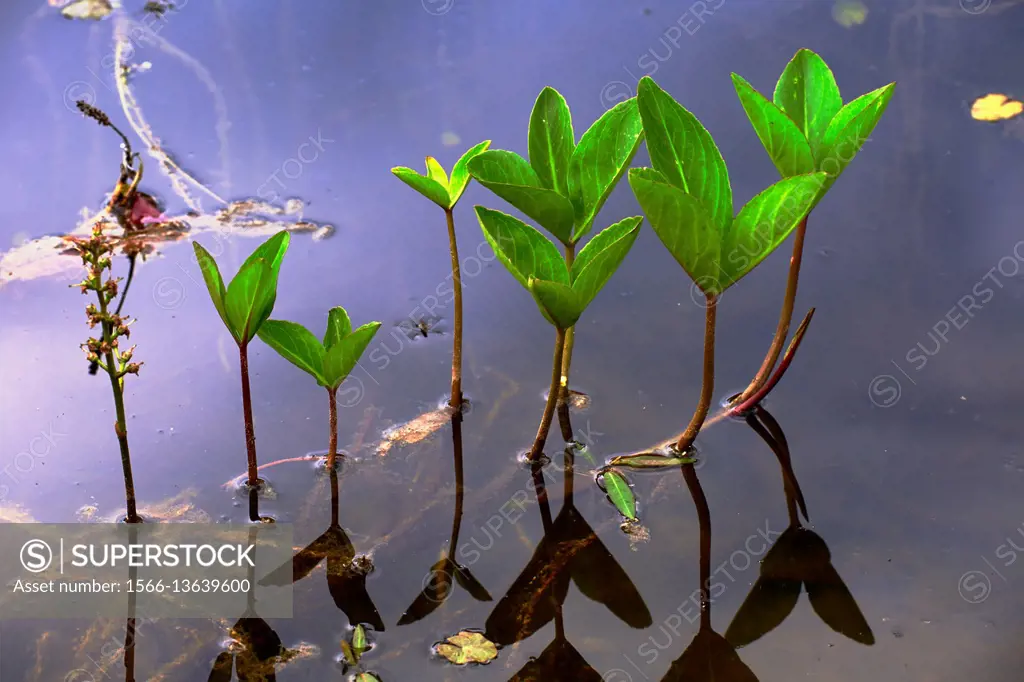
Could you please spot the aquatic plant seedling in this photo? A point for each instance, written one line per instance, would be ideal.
(561, 291)
(329, 362)
(105, 351)
(687, 198)
(244, 305)
(446, 192)
(805, 128)
(564, 185)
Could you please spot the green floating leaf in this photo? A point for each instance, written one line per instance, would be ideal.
(524, 251)
(350, 655)
(619, 492)
(512, 178)
(765, 222)
(460, 173)
(343, 355)
(682, 224)
(467, 647)
(782, 139)
(367, 677)
(599, 161)
(359, 640)
(428, 187)
(214, 282)
(296, 344)
(550, 140)
(601, 257)
(808, 94)
(558, 303)
(650, 461)
(850, 129)
(684, 152)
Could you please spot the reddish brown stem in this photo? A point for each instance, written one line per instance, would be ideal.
(250, 432)
(708, 381)
(787, 359)
(456, 398)
(553, 397)
(332, 443)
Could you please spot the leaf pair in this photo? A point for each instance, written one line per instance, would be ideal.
(436, 185)
(328, 362)
(562, 293)
(564, 184)
(246, 303)
(688, 199)
(807, 127)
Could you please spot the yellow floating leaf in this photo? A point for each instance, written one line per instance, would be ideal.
(849, 13)
(995, 107)
(468, 647)
(87, 9)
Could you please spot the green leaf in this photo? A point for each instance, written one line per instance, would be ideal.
(601, 257)
(510, 177)
(850, 129)
(619, 492)
(683, 151)
(460, 173)
(350, 655)
(428, 187)
(250, 299)
(214, 282)
(558, 303)
(367, 677)
(682, 224)
(524, 251)
(551, 140)
(436, 173)
(649, 461)
(297, 345)
(467, 647)
(359, 640)
(765, 222)
(343, 356)
(338, 326)
(272, 251)
(602, 156)
(808, 94)
(784, 142)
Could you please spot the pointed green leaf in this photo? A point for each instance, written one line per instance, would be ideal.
(765, 222)
(551, 140)
(601, 257)
(783, 141)
(349, 653)
(343, 356)
(683, 151)
(602, 156)
(297, 345)
(428, 187)
(619, 492)
(338, 326)
(510, 177)
(249, 296)
(682, 224)
(522, 249)
(558, 303)
(359, 640)
(367, 677)
(214, 282)
(460, 173)
(808, 94)
(649, 461)
(272, 251)
(850, 129)
(436, 173)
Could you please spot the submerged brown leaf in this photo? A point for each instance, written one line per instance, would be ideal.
(416, 430)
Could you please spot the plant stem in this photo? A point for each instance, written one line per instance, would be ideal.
(553, 394)
(459, 480)
(332, 446)
(120, 426)
(250, 432)
(785, 317)
(700, 501)
(570, 333)
(456, 398)
(708, 382)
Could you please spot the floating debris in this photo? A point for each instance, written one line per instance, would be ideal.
(467, 647)
(849, 13)
(88, 9)
(415, 431)
(995, 107)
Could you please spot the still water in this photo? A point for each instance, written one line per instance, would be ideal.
(899, 412)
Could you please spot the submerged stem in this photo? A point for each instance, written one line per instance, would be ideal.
(708, 382)
(553, 397)
(250, 432)
(332, 443)
(456, 398)
(785, 317)
(570, 333)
